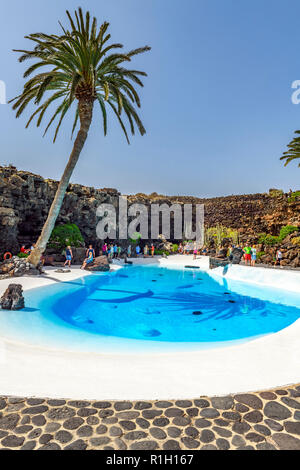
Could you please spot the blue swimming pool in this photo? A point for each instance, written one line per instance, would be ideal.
(157, 304)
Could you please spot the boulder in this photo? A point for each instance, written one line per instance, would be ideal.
(236, 255)
(16, 267)
(58, 258)
(234, 258)
(284, 262)
(163, 244)
(79, 254)
(222, 253)
(217, 262)
(100, 263)
(13, 299)
(296, 262)
(266, 259)
(48, 260)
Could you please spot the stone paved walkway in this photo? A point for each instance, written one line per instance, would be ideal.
(264, 421)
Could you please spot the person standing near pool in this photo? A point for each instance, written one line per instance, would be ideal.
(129, 251)
(90, 255)
(146, 249)
(138, 250)
(104, 249)
(247, 251)
(152, 250)
(90, 251)
(204, 251)
(69, 256)
(119, 251)
(253, 255)
(278, 257)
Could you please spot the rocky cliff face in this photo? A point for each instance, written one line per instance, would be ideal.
(25, 199)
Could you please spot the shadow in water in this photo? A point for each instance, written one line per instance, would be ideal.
(29, 309)
(131, 298)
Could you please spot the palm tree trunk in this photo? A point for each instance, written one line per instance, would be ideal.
(85, 108)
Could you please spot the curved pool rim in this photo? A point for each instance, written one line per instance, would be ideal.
(264, 363)
(53, 331)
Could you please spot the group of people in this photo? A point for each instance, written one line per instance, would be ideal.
(191, 248)
(27, 251)
(112, 251)
(249, 252)
(250, 255)
(147, 251)
(90, 256)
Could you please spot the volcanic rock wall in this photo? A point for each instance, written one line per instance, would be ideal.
(25, 199)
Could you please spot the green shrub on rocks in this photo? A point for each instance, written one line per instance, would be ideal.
(22, 255)
(273, 192)
(294, 196)
(64, 235)
(285, 231)
(161, 252)
(218, 233)
(267, 239)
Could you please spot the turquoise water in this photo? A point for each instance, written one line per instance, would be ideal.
(162, 305)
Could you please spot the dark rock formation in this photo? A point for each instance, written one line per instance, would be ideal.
(222, 253)
(290, 248)
(12, 299)
(16, 267)
(25, 200)
(49, 260)
(52, 256)
(250, 214)
(217, 262)
(234, 258)
(100, 263)
(79, 255)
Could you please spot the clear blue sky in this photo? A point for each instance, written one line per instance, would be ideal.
(216, 103)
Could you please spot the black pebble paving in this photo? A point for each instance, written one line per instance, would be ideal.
(266, 420)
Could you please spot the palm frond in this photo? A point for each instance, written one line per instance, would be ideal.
(80, 64)
(119, 119)
(294, 150)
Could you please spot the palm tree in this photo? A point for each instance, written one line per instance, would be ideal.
(293, 150)
(83, 69)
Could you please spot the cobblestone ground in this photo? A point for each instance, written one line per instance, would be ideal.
(266, 420)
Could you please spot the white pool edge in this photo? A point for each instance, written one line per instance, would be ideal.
(260, 364)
